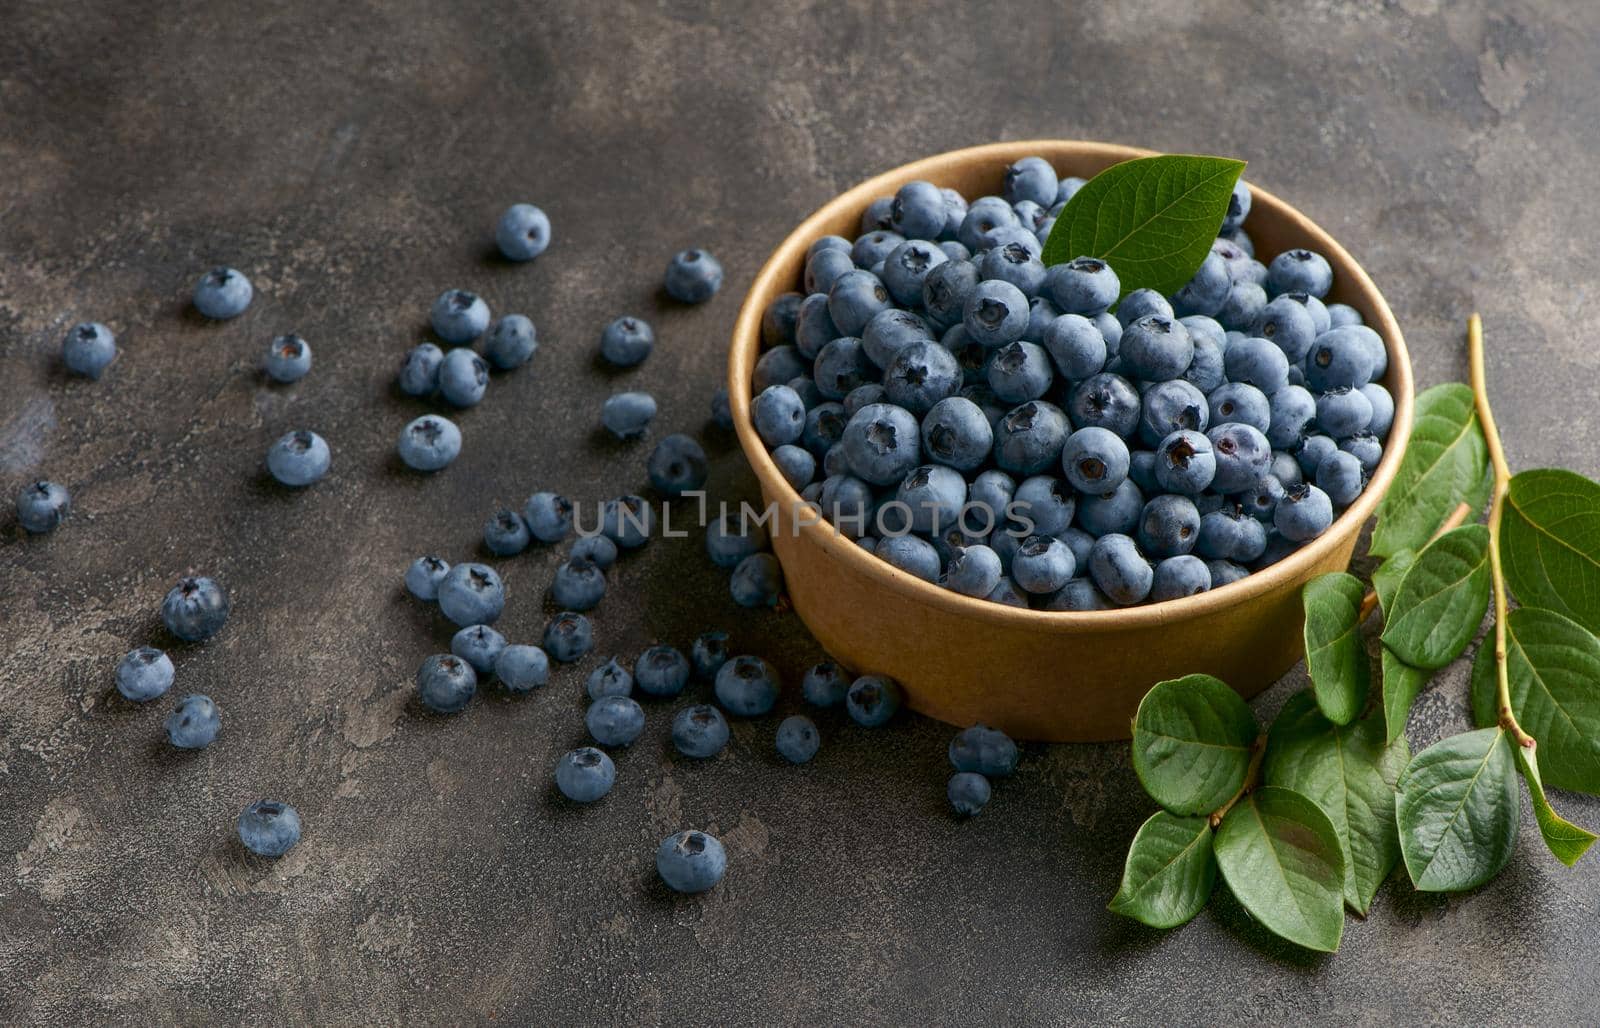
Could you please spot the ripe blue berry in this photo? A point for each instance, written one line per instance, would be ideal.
(973, 571)
(579, 584)
(614, 720)
(144, 674)
(881, 443)
(825, 684)
(921, 374)
(757, 581)
(195, 609)
(429, 443)
(423, 577)
(627, 341)
(911, 554)
(299, 458)
(708, 653)
(995, 313)
(269, 828)
(1230, 534)
(1120, 570)
(194, 723)
(522, 668)
(1155, 348)
(798, 740)
(88, 348)
(1299, 271)
(1094, 460)
(222, 293)
(907, 267)
(1179, 576)
(968, 793)
(1343, 412)
(463, 377)
(568, 637)
(693, 276)
(609, 679)
(1341, 477)
(446, 683)
(987, 751)
(1019, 372)
(1168, 526)
(419, 371)
(478, 645)
(1242, 454)
(288, 359)
(1305, 512)
(699, 731)
(678, 465)
(1342, 358)
(505, 534)
(797, 466)
(1085, 285)
(661, 671)
(42, 506)
(628, 415)
(1017, 263)
(585, 774)
(511, 342)
(549, 518)
(747, 686)
(523, 232)
(459, 316)
(872, 700)
(472, 594)
(1029, 438)
(691, 861)
(1244, 404)
(1106, 401)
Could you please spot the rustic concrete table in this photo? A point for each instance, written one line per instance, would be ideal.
(351, 159)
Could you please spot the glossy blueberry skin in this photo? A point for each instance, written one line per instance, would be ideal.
(1094, 460)
(798, 740)
(472, 594)
(1242, 454)
(523, 232)
(1030, 437)
(585, 774)
(854, 299)
(878, 215)
(983, 750)
(423, 577)
(872, 700)
(42, 506)
(1343, 412)
(578, 584)
(825, 684)
(918, 211)
(628, 415)
(907, 267)
(661, 671)
(841, 366)
(1305, 512)
(945, 290)
(1143, 303)
(269, 828)
(614, 720)
(881, 443)
(814, 329)
(871, 249)
(1365, 448)
(824, 268)
(1230, 534)
(1042, 565)
(968, 793)
(1169, 526)
(779, 415)
(195, 609)
(920, 375)
(463, 377)
(568, 637)
(984, 216)
(732, 537)
(797, 466)
(549, 518)
(1262, 501)
(1115, 512)
(419, 372)
(194, 723)
(824, 426)
(298, 459)
(935, 495)
(757, 581)
(1291, 411)
(222, 293)
(956, 433)
(505, 534)
(677, 465)
(1382, 403)
(288, 359)
(691, 861)
(144, 673)
(459, 316)
(1244, 303)
(88, 348)
(1119, 570)
(1033, 179)
(1078, 594)
(1289, 325)
(1076, 346)
(1299, 271)
(1244, 404)
(1174, 406)
(1106, 401)
(1258, 362)
(699, 731)
(888, 333)
(973, 571)
(627, 341)
(446, 683)
(911, 554)
(1206, 291)
(747, 686)
(1180, 576)
(1085, 285)
(1341, 477)
(1185, 463)
(1019, 372)
(511, 342)
(522, 668)
(609, 679)
(480, 646)
(1017, 264)
(995, 313)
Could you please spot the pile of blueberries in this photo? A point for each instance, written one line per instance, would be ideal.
(1030, 435)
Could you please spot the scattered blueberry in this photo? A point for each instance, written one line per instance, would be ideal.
(429, 443)
(511, 342)
(42, 506)
(269, 828)
(549, 518)
(89, 347)
(691, 861)
(222, 293)
(797, 739)
(872, 700)
(505, 534)
(463, 377)
(661, 671)
(677, 465)
(627, 521)
(471, 594)
(459, 316)
(144, 674)
(480, 646)
(627, 341)
(522, 668)
(747, 686)
(699, 731)
(195, 609)
(298, 458)
(628, 415)
(446, 683)
(568, 636)
(579, 585)
(194, 723)
(757, 581)
(288, 359)
(708, 654)
(523, 232)
(585, 774)
(419, 372)
(693, 276)
(614, 720)
(423, 577)
(968, 793)
(609, 679)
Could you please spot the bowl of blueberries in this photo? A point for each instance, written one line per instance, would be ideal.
(1028, 495)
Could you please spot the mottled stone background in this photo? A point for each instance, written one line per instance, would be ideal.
(351, 159)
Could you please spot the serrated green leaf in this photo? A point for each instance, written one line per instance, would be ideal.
(1170, 871)
(1457, 808)
(1441, 600)
(1282, 859)
(1335, 656)
(1553, 669)
(1386, 577)
(1192, 739)
(1401, 683)
(1349, 771)
(1153, 219)
(1550, 543)
(1567, 841)
(1446, 463)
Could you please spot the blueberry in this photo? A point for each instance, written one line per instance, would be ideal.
(1238, 207)
(1365, 448)
(144, 674)
(1343, 358)
(1031, 178)
(1311, 451)
(778, 414)
(797, 739)
(505, 534)
(1341, 477)
(1143, 303)
(721, 412)
(907, 267)
(195, 609)
(269, 828)
(1078, 594)
(778, 320)
(1299, 271)
(824, 427)
(1105, 401)
(628, 415)
(419, 372)
(968, 793)
(889, 332)
(797, 466)
(1180, 576)
(872, 700)
(1019, 372)
(1289, 325)
(747, 686)
(609, 679)
(523, 232)
(1142, 471)
(1382, 408)
(1242, 403)
(733, 537)
(298, 458)
(568, 637)
(1343, 412)
(627, 341)
(1085, 286)
(1094, 460)
(42, 506)
(472, 594)
(881, 443)
(1168, 526)
(757, 581)
(980, 394)
(579, 585)
(955, 211)
(1230, 534)
(661, 671)
(1029, 214)
(677, 465)
(699, 731)
(824, 268)
(1117, 511)
(813, 329)
(288, 359)
(1174, 406)
(995, 313)
(423, 577)
(614, 720)
(911, 554)
(1278, 547)
(973, 571)
(1242, 454)
(853, 300)
(1341, 314)
(1042, 565)
(459, 316)
(1017, 264)
(1290, 413)
(1257, 362)
(1120, 570)
(1285, 468)
(921, 374)
(549, 518)
(945, 290)
(597, 549)
(983, 750)
(1261, 502)
(194, 723)
(1030, 437)
(446, 683)
(878, 215)
(1225, 572)
(693, 276)
(1046, 502)
(222, 293)
(691, 861)
(1207, 290)
(985, 215)
(1185, 463)
(1243, 305)
(478, 645)
(1075, 345)
(463, 377)
(935, 495)
(708, 654)
(511, 342)
(1235, 258)
(89, 347)
(825, 684)
(1305, 512)
(1041, 312)
(522, 668)
(585, 774)
(841, 366)
(954, 250)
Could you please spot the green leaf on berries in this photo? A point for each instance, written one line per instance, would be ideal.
(1457, 808)
(1441, 600)
(1335, 656)
(1446, 463)
(1401, 683)
(1550, 543)
(1192, 741)
(1567, 841)
(1153, 219)
(1387, 576)
(1283, 860)
(1170, 871)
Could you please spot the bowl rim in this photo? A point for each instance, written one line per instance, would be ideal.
(746, 345)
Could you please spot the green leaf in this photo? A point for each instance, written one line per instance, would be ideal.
(1553, 669)
(1441, 600)
(1446, 463)
(1170, 871)
(1457, 809)
(1566, 840)
(1335, 656)
(1386, 578)
(1401, 683)
(1153, 219)
(1349, 771)
(1550, 543)
(1192, 739)
(1280, 856)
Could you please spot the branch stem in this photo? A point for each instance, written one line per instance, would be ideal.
(1252, 775)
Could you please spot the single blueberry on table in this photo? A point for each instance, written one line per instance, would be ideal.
(549, 518)
(478, 645)
(854, 299)
(987, 751)
(661, 671)
(825, 684)
(627, 521)
(288, 359)
(419, 371)
(872, 700)
(459, 316)
(423, 577)
(798, 739)
(691, 861)
(968, 793)
(597, 549)
(721, 411)
(195, 609)
(614, 720)
(1120, 570)
(609, 679)
(733, 537)
(429, 443)
(42, 506)
(222, 293)
(699, 731)
(144, 674)
(568, 637)
(1305, 512)
(269, 828)
(523, 232)
(579, 584)
(472, 594)
(757, 581)
(627, 341)
(1179, 576)
(299, 458)
(446, 683)
(194, 723)
(628, 415)
(89, 347)
(463, 377)
(708, 653)
(585, 774)
(677, 465)
(505, 534)
(511, 342)
(522, 668)
(747, 686)
(1115, 512)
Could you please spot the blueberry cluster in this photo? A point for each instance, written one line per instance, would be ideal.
(1033, 436)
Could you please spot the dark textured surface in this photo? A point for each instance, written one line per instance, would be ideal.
(351, 159)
